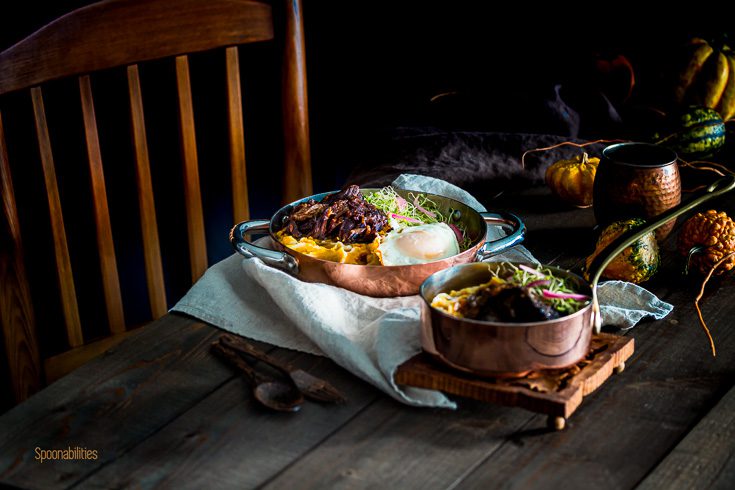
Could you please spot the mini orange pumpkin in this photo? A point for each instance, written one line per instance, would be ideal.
(572, 180)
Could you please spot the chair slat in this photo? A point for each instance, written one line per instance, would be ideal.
(63, 262)
(149, 224)
(16, 307)
(108, 264)
(240, 203)
(8, 194)
(192, 192)
(297, 181)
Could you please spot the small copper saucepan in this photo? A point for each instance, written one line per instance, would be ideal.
(380, 280)
(511, 349)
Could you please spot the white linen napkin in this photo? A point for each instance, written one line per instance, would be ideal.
(368, 336)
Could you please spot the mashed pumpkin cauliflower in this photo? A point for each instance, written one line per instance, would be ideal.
(334, 251)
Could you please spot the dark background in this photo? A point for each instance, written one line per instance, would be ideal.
(372, 67)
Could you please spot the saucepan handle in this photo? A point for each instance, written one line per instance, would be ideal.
(274, 258)
(509, 221)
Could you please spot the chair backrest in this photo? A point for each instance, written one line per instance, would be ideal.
(124, 33)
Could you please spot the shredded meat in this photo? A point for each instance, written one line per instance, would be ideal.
(507, 303)
(516, 304)
(343, 216)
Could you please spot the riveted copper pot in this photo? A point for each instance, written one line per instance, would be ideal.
(380, 280)
(636, 180)
(511, 349)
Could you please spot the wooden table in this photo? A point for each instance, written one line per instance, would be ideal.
(159, 409)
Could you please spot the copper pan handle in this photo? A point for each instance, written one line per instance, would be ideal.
(719, 187)
(274, 258)
(516, 236)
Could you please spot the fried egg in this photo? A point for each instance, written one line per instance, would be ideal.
(418, 244)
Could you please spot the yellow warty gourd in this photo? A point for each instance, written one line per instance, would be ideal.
(714, 232)
(572, 180)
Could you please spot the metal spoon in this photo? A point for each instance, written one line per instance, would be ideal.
(274, 394)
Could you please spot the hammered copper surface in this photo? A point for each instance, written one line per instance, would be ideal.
(497, 348)
(626, 191)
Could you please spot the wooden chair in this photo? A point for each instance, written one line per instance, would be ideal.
(124, 33)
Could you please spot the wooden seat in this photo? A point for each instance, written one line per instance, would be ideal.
(121, 34)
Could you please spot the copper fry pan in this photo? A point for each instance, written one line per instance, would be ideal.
(379, 280)
(511, 349)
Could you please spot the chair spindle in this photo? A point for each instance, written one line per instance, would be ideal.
(108, 263)
(240, 203)
(148, 222)
(192, 192)
(61, 249)
(297, 151)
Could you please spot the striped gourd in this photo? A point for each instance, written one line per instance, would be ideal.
(698, 132)
(637, 263)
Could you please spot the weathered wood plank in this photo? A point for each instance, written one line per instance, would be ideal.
(110, 404)
(706, 456)
(400, 447)
(229, 441)
(62, 364)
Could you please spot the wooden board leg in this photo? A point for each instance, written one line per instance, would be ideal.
(620, 368)
(556, 423)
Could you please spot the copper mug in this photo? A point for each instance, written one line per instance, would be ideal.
(636, 180)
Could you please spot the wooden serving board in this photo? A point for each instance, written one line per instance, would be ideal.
(555, 392)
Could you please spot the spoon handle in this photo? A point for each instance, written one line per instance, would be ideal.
(238, 345)
(238, 362)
